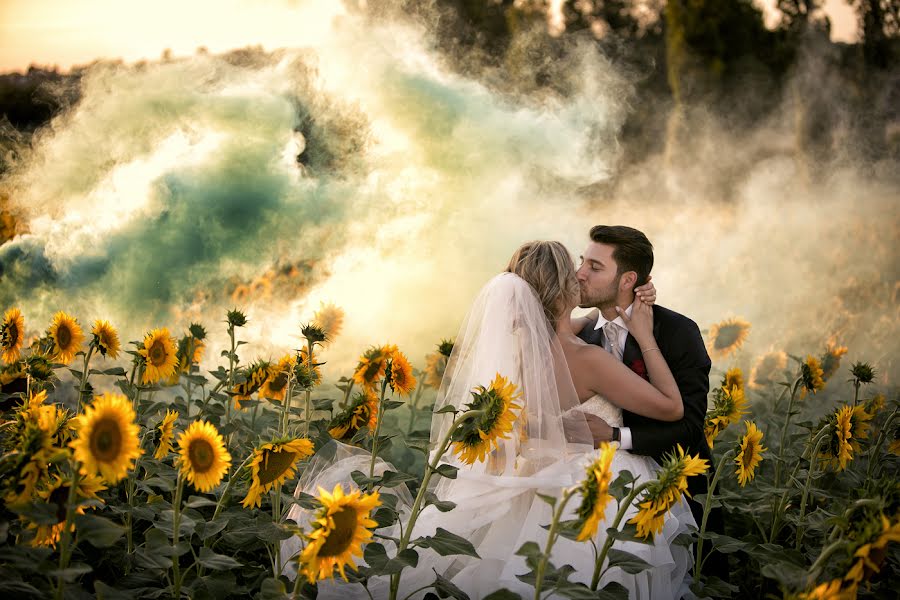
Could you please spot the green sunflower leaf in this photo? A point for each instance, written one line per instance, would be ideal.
(99, 531)
(216, 562)
(447, 544)
(627, 561)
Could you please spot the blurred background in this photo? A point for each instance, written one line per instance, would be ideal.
(162, 164)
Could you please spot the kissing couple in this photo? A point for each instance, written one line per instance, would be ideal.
(631, 372)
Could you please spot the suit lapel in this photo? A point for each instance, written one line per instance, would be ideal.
(632, 351)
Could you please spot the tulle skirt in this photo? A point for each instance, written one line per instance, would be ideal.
(498, 516)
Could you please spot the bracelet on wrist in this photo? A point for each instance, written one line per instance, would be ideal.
(651, 350)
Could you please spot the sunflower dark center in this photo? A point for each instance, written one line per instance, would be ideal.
(341, 536)
(202, 456)
(747, 459)
(13, 333)
(106, 440)
(278, 382)
(157, 353)
(728, 335)
(63, 336)
(59, 497)
(275, 464)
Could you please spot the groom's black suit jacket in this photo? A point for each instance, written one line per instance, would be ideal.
(682, 346)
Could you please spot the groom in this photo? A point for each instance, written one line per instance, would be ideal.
(618, 259)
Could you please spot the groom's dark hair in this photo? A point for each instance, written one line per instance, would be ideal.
(633, 251)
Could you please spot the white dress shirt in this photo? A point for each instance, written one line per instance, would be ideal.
(624, 432)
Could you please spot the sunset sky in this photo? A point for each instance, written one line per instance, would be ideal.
(66, 33)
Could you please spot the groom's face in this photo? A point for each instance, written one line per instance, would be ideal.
(598, 276)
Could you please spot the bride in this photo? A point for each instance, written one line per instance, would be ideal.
(519, 327)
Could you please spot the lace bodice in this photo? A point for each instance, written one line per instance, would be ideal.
(599, 406)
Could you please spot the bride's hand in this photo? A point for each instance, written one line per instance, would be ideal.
(640, 323)
(647, 292)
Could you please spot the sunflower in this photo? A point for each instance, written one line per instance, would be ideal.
(166, 433)
(401, 376)
(67, 337)
(831, 360)
(727, 336)
(34, 449)
(254, 377)
(733, 378)
(340, 528)
(750, 454)
(330, 319)
(12, 335)
(838, 451)
(869, 557)
(160, 354)
(730, 405)
(273, 463)
(107, 438)
(312, 367)
(275, 384)
(666, 490)
(712, 427)
(874, 404)
(831, 590)
(435, 365)
(57, 495)
(811, 375)
(202, 456)
(372, 365)
(477, 436)
(595, 492)
(106, 340)
(767, 369)
(362, 412)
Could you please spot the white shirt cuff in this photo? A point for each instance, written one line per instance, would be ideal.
(625, 438)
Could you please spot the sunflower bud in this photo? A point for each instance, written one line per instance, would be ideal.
(236, 318)
(446, 347)
(198, 332)
(862, 372)
(314, 333)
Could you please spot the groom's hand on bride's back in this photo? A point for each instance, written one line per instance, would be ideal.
(573, 425)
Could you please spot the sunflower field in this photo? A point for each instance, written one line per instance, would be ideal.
(158, 478)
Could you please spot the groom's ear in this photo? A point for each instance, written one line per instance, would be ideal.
(628, 281)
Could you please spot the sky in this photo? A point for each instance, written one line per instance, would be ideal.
(66, 33)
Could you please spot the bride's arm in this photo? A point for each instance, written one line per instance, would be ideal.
(623, 387)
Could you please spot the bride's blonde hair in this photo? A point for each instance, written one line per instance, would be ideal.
(549, 270)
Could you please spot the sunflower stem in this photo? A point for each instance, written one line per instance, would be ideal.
(65, 543)
(384, 385)
(286, 403)
(190, 368)
(228, 485)
(84, 379)
(607, 544)
(276, 518)
(306, 413)
(551, 539)
(430, 469)
(781, 506)
(707, 506)
(873, 451)
(176, 525)
(230, 379)
(412, 410)
(809, 475)
(787, 422)
(826, 553)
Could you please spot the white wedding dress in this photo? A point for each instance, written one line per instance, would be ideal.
(498, 507)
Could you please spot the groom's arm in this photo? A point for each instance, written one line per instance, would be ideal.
(690, 364)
